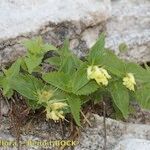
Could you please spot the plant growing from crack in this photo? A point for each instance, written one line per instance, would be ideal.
(71, 81)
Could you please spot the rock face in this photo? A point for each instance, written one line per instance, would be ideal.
(80, 21)
(120, 136)
(54, 20)
(130, 23)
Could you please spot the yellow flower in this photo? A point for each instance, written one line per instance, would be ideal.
(99, 74)
(54, 111)
(129, 81)
(52, 115)
(55, 115)
(58, 105)
(44, 96)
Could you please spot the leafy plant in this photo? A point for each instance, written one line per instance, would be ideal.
(73, 81)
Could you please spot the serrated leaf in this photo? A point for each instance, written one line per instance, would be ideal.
(14, 69)
(143, 97)
(32, 62)
(58, 79)
(36, 46)
(80, 78)
(54, 61)
(9, 75)
(113, 64)
(27, 86)
(87, 89)
(75, 107)
(120, 97)
(65, 51)
(139, 73)
(67, 65)
(97, 50)
(48, 47)
(69, 61)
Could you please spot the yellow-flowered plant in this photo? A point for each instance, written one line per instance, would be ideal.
(129, 81)
(100, 75)
(54, 111)
(75, 80)
(44, 96)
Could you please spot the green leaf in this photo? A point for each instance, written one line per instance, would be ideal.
(32, 62)
(97, 50)
(143, 97)
(48, 47)
(67, 65)
(69, 61)
(54, 61)
(87, 89)
(37, 47)
(140, 73)
(65, 51)
(80, 78)
(75, 106)
(27, 86)
(113, 64)
(1, 78)
(9, 75)
(97, 96)
(123, 47)
(58, 79)
(120, 97)
(14, 69)
(6, 85)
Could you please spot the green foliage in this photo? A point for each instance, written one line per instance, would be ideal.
(8, 76)
(37, 47)
(72, 81)
(141, 74)
(36, 50)
(143, 96)
(123, 47)
(58, 79)
(120, 97)
(75, 106)
(97, 51)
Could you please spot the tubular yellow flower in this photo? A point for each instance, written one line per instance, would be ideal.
(99, 74)
(105, 73)
(54, 111)
(44, 96)
(129, 81)
(52, 115)
(59, 105)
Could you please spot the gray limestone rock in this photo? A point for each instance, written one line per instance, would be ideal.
(120, 135)
(80, 21)
(54, 20)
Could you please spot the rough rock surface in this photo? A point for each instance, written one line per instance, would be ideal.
(120, 136)
(54, 20)
(130, 23)
(80, 21)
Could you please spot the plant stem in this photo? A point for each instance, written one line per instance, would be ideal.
(104, 123)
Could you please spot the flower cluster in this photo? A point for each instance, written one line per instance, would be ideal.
(54, 111)
(100, 75)
(44, 96)
(129, 81)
